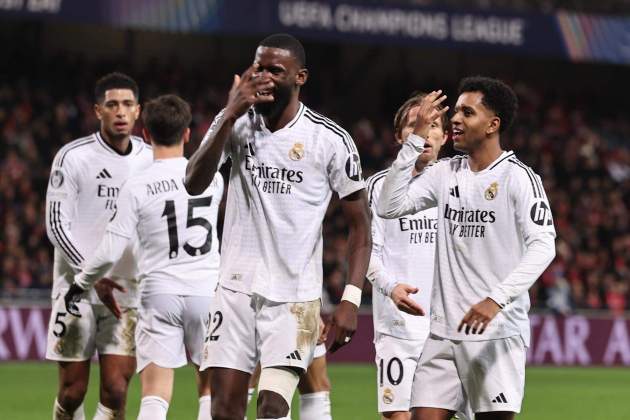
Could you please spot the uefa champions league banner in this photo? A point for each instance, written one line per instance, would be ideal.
(564, 35)
(562, 341)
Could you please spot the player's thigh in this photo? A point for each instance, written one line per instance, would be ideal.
(195, 318)
(287, 332)
(493, 373)
(316, 377)
(436, 382)
(160, 332)
(70, 338)
(230, 340)
(115, 336)
(396, 362)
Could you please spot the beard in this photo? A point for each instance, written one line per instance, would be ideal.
(115, 136)
(282, 96)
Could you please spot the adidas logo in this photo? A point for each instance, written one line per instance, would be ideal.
(500, 398)
(295, 356)
(454, 191)
(103, 174)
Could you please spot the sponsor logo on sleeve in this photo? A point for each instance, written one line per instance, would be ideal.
(353, 167)
(541, 214)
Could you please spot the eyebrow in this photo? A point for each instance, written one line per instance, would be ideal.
(464, 108)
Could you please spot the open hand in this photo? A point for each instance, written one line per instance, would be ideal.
(400, 295)
(430, 110)
(248, 89)
(105, 291)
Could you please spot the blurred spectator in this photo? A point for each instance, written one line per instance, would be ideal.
(584, 163)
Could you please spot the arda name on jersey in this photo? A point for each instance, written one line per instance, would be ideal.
(472, 221)
(271, 179)
(422, 230)
(162, 186)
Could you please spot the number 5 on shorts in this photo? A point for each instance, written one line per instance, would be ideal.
(62, 325)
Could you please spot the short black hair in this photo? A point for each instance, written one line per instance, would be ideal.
(166, 118)
(497, 96)
(115, 80)
(286, 42)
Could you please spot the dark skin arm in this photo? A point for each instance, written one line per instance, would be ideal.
(203, 164)
(355, 210)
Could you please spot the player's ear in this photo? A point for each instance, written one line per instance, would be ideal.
(97, 111)
(186, 135)
(136, 113)
(301, 77)
(494, 125)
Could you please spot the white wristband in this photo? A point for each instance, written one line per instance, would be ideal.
(352, 294)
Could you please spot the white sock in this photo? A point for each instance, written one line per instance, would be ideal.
(104, 413)
(59, 413)
(315, 406)
(153, 408)
(204, 408)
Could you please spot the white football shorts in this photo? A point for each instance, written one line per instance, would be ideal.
(168, 327)
(73, 339)
(245, 329)
(396, 363)
(489, 375)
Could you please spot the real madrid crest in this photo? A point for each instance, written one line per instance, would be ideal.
(388, 396)
(297, 151)
(492, 191)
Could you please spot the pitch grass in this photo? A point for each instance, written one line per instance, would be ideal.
(27, 392)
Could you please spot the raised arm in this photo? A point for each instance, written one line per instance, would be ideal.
(203, 164)
(400, 196)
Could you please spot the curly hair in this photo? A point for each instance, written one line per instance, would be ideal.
(497, 96)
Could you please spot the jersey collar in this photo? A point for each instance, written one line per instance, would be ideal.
(290, 124)
(110, 149)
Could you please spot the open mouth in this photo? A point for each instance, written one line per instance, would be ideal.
(457, 134)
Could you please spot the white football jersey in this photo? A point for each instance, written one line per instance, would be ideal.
(178, 248)
(406, 249)
(280, 186)
(495, 236)
(85, 181)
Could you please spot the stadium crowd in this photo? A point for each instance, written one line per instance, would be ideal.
(584, 163)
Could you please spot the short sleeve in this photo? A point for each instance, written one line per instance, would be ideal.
(344, 165)
(532, 209)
